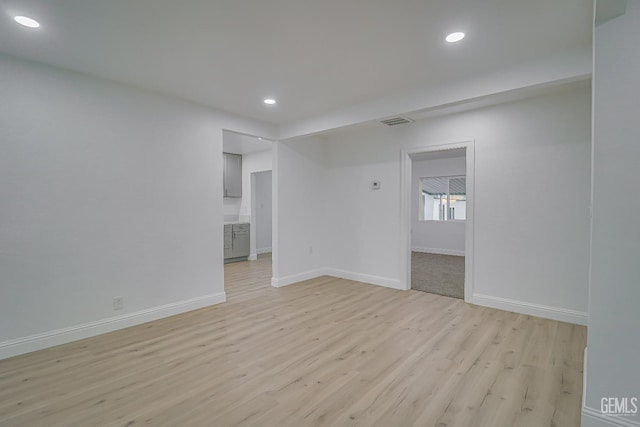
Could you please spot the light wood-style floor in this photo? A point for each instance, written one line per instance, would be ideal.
(324, 352)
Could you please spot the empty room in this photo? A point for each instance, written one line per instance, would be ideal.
(334, 213)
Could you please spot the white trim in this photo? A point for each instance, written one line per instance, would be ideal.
(405, 211)
(365, 278)
(438, 251)
(254, 256)
(554, 313)
(252, 218)
(278, 282)
(62, 336)
(584, 377)
(275, 202)
(405, 219)
(595, 418)
(253, 230)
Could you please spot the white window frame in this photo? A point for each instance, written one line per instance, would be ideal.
(448, 209)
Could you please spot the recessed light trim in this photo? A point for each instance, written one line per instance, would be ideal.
(455, 37)
(270, 101)
(25, 21)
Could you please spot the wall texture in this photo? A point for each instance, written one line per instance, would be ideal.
(106, 191)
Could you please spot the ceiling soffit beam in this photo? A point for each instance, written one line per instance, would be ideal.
(606, 10)
(570, 67)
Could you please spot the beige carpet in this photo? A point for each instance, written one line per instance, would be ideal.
(438, 274)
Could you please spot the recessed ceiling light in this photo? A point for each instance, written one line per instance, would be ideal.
(455, 37)
(26, 21)
(269, 101)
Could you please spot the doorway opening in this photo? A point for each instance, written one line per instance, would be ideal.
(247, 199)
(437, 219)
(261, 213)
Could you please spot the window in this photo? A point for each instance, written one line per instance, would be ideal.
(443, 198)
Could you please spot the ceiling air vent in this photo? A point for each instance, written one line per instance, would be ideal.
(397, 120)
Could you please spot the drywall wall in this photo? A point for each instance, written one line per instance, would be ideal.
(613, 333)
(106, 191)
(527, 258)
(232, 208)
(299, 182)
(263, 210)
(258, 161)
(441, 237)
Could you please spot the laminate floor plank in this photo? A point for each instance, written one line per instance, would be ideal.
(324, 352)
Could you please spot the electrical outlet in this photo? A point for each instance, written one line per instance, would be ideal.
(118, 303)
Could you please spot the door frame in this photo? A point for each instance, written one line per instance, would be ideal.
(406, 201)
(253, 255)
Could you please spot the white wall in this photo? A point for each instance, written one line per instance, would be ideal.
(612, 368)
(232, 207)
(299, 197)
(529, 150)
(442, 237)
(106, 191)
(263, 212)
(258, 161)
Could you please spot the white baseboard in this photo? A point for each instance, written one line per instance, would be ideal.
(263, 250)
(584, 378)
(252, 257)
(365, 278)
(62, 336)
(438, 251)
(554, 313)
(278, 282)
(343, 274)
(595, 418)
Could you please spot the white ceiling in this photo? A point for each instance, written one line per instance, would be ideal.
(313, 56)
(238, 143)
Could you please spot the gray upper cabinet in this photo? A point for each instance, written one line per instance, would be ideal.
(232, 175)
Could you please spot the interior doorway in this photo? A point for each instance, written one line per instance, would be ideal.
(437, 219)
(438, 214)
(261, 213)
(247, 200)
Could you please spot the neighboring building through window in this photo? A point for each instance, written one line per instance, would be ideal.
(443, 198)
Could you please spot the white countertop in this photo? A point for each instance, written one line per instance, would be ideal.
(235, 222)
